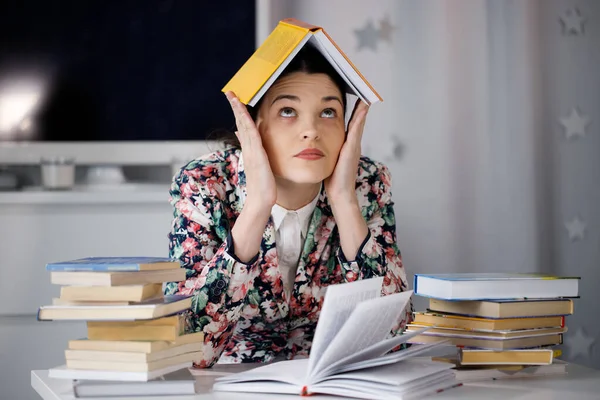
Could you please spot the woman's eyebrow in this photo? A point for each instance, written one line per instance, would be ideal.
(331, 98)
(286, 96)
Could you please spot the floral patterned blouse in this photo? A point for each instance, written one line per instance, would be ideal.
(242, 308)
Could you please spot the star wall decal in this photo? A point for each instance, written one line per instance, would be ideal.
(385, 29)
(367, 36)
(580, 344)
(575, 124)
(396, 150)
(576, 229)
(572, 22)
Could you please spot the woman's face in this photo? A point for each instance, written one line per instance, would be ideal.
(301, 122)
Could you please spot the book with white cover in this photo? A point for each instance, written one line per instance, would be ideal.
(62, 372)
(180, 382)
(478, 374)
(350, 353)
(495, 286)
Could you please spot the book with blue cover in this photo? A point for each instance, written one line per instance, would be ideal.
(495, 286)
(110, 264)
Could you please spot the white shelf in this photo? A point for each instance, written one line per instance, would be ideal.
(133, 193)
(106, 153)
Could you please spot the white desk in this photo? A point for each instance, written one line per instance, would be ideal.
(580, 383)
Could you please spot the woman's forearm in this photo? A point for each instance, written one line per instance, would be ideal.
(352, 227)
(248, 230)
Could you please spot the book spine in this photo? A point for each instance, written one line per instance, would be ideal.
(304, 27)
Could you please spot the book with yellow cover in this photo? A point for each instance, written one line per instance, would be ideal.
(116, 278)
(135, 346)
(127, 293)
(150, 309)
(261, 70)
(486, 334)
(503, 308)
(539, 356)
(166, 328)
(441, 320)
(497, 344)
(131, 357)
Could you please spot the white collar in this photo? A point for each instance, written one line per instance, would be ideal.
(278, 213)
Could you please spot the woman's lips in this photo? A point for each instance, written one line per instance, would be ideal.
(310, 154)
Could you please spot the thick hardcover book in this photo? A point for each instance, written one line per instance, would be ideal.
(150, 309)
(493, 286)
(108, 264)
(496, 309)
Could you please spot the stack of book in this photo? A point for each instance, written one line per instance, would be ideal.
(504, 325)
(134, 332)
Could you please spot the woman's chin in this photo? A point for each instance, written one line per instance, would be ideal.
(305, 177)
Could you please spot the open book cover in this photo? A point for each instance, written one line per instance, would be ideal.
(261, 70)
(351, 353)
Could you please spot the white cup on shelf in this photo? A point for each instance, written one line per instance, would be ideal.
(58, 173)
(105, 175)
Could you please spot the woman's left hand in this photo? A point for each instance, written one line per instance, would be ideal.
(340, 186)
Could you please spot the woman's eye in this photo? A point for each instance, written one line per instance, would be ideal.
(287, 112)
(328, 113)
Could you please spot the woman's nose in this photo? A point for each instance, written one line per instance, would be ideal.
(309, 130)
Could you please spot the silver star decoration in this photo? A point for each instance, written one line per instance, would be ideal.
(575, 124)
(385, 29)
(395, 151)
(580, 344)
(367, 36)
(576, 229)
(572, 22)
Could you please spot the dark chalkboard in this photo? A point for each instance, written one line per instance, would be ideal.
(126, 70)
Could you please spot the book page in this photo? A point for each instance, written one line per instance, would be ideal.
(390, 381)
(340, 301)
(356, 363)
(317, 40)
(369, 324)
(290, 372)
(349, 73)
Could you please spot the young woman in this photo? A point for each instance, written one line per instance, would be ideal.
(264, 226)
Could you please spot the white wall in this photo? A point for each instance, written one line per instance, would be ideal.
(474, 90)
(421, 180)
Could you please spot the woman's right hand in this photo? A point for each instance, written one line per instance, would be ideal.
(261, 191)
(260, 182)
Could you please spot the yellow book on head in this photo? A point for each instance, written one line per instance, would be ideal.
(261, 70)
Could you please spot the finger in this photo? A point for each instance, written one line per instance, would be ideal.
(243, 120)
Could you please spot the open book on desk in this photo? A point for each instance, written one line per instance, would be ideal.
(350, 354)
